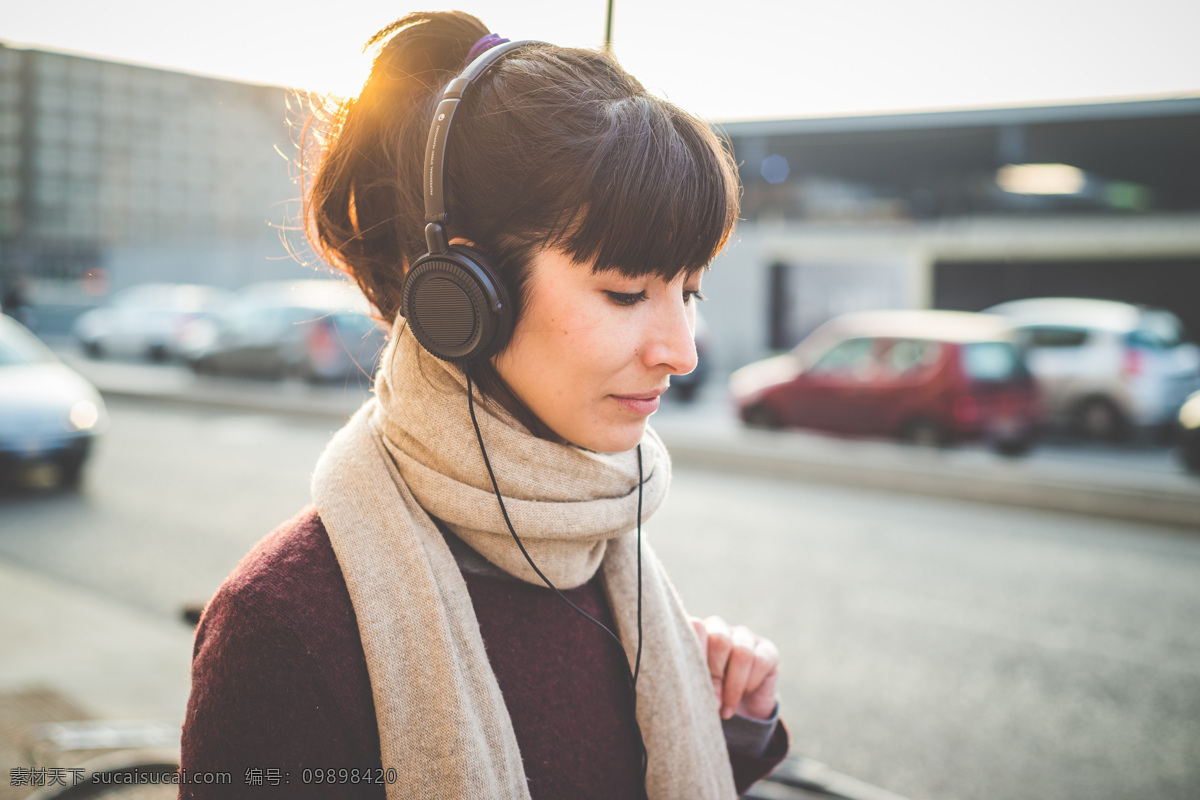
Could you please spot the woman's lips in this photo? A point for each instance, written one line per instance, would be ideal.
(646, 403)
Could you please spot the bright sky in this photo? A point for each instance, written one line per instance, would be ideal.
(731, 60)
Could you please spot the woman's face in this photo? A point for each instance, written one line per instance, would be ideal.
(592, 352)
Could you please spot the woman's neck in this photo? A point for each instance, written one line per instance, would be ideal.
(492, 386)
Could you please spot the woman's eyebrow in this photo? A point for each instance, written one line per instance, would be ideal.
(615, 272)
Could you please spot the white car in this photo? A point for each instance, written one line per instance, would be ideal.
(1105, 368)
(147, 321)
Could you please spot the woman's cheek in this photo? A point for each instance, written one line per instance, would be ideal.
(584, 329)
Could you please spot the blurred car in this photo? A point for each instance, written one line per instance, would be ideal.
(931, 377)
(1105, 368)
(48, 412)
(1189, 433)
(147, 321)
(317, 330)
(685, 387)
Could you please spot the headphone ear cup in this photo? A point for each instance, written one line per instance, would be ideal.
(456, 305)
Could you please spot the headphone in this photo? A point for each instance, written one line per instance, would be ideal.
(459, 310)
(453, 297)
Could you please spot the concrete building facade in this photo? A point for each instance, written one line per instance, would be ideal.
(143, 173)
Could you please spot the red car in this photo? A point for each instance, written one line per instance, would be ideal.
(932, 377)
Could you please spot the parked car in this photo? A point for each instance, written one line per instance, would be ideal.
(146, 321)
(1189, 433)
(685, 387)
(1106, 369)
(932, 377)
(48, 412)
(317, 330)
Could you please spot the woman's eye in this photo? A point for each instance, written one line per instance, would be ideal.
(690, 295)
(623, 299)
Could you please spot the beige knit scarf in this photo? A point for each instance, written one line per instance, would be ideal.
(443, 726)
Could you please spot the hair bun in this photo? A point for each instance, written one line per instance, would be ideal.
(424, 42)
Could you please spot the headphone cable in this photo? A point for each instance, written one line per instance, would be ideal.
(631, 674)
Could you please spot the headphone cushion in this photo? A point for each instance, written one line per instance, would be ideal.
(456, 306)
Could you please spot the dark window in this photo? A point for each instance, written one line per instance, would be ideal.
(911, 355)
(1054, 336)
(852, 357)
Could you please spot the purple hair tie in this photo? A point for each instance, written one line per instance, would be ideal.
(486, 42)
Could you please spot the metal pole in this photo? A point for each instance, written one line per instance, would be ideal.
(608, 28)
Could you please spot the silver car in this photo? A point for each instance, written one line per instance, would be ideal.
(1105, 368)
(49, 413)
(317, 330)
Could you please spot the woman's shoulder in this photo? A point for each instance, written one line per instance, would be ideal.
(287, 566)
(290, 576)
(284, 615)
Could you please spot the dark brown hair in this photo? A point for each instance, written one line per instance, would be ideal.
(554, 147)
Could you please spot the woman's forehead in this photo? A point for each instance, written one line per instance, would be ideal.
(560, 258)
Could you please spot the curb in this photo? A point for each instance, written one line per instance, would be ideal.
(934, 475)
(302, 404)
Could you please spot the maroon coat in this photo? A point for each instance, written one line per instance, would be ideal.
(280, 686)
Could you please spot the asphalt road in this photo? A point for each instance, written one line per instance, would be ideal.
(935, 648)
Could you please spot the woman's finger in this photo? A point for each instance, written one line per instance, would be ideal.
(720, 644)
(738, 669)
(766, 662)
(759, 700)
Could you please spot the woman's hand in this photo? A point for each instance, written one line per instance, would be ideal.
(744, 667)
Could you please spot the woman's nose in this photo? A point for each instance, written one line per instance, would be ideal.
(671, 340)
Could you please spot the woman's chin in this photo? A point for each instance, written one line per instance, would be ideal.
(612, 438)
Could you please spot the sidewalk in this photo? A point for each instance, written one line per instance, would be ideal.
(83, 646)
(70, 655)
(1142, 486)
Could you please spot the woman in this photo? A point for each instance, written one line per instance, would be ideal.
(407, 636)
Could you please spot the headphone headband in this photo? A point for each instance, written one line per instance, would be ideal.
(436, 216)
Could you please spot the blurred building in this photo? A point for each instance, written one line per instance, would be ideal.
(959, 210)
(142, 173)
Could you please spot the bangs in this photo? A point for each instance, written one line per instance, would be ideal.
(659, 194)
